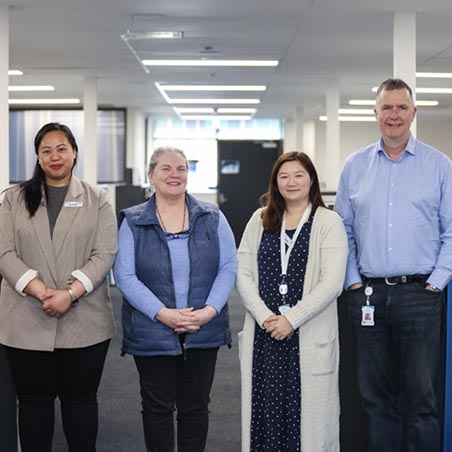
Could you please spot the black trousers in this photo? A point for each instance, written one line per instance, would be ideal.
(73, 375)
(176, 382)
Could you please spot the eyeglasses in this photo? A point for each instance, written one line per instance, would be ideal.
(178, 235)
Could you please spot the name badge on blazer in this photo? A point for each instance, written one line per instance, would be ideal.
(73, 204)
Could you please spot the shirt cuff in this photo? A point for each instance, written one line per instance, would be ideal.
(86, 282)
(352, 277)
(28, 276)
(212, 305)
(439, 279)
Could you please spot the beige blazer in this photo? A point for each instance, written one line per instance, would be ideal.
(315, 316)
(84, 241)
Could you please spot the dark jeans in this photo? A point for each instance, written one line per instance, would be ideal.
(169, 382)
(73, 375)
(399, 366)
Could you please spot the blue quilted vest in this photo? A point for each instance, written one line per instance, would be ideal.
(145, 337)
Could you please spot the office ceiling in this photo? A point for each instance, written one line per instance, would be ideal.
(60, 42)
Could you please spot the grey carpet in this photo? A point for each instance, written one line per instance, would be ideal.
(120, 428)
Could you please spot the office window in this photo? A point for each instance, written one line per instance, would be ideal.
(198, 140)
(111, 141)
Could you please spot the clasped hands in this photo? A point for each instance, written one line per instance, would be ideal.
(187, 320)
(55, 302)
(278, 327)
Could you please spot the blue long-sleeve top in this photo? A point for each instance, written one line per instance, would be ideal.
(143, 299)
(398, 215)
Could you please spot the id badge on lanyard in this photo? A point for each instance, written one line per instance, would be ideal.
(368, 311)
(284, 240)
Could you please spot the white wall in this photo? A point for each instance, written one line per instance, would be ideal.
(434, 131)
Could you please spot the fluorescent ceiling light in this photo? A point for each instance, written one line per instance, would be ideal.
(351, 118)
(434, 90)
(427, 103)
(264, 63)
(213, 87)
(361, 102)
(216, 117)
(43, 101)
(15, 72)
(355, 111)
(213, 101)
(194, 110)
(434, 74)
(136, 36)
(31, 88)
(426, 90)
(236, 110)
(419, 103)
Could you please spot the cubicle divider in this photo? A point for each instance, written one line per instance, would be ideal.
(8, 432)
(448, 377)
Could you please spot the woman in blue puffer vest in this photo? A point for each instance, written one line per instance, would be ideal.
(175, 267)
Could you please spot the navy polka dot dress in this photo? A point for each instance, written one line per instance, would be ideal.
(276, 392)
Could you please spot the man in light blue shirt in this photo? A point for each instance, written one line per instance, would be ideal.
(395, 198)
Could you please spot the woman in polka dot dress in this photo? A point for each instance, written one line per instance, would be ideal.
(292, 260)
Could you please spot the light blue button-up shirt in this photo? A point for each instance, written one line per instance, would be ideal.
(398, 215)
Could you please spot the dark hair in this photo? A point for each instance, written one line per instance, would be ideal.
(33, 187)
(273, 201)
(392, 84)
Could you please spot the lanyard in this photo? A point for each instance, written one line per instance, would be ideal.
(285, 239)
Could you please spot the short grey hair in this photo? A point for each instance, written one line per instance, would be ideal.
(164, 150)
(392, 84)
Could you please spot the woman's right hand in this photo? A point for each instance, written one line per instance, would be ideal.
(173, 318)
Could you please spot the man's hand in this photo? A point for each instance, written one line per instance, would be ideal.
(355, 286)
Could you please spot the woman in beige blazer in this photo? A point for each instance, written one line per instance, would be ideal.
(58, 240)
(291, 268)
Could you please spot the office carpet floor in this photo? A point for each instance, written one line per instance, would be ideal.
(120, 427)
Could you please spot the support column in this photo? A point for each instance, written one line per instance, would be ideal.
(299, 114)
(4, 109)
(135, 145)
(404, 52)
(90, 136)
(289, 135)
(309, 139)
(332, 137)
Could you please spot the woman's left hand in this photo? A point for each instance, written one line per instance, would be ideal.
(279, 327)
(57, 302)
(196, 318)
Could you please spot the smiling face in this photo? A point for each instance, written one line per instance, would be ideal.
(395, 112)
(294, 183)
(56, 157)
(169, 176)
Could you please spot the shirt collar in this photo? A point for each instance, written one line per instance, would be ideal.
(410, 146)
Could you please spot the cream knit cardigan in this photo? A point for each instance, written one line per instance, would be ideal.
(315, 315)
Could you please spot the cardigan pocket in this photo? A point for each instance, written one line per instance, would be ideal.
(324, 356)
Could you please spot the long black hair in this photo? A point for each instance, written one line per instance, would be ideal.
(33, 187)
